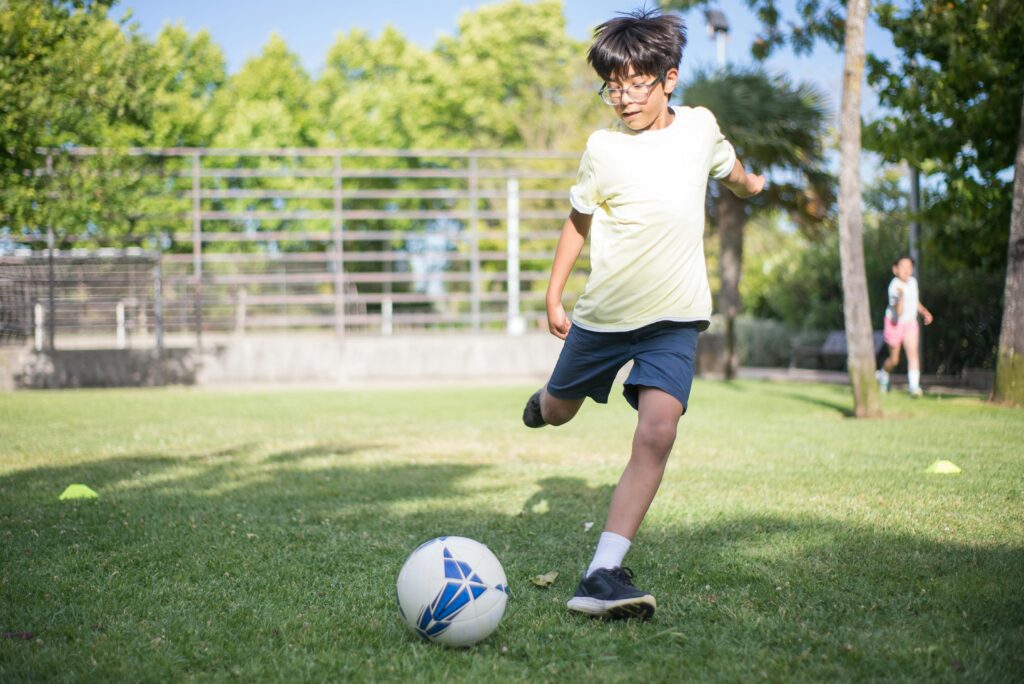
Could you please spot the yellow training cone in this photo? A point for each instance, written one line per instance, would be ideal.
(943, 468)
(78, 491)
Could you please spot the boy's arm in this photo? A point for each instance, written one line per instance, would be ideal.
(925, 313)
(570, 244)
(741, 183)
(899, 303)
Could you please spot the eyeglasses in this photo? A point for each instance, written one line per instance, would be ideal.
(638, 92)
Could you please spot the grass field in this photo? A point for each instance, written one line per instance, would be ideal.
(257, 536)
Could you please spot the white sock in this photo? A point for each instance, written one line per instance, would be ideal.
(882, 375)
(611, 549)
(914, 377)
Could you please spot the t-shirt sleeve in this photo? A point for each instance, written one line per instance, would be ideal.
(894, 292)
(584, 196)
(723, 156)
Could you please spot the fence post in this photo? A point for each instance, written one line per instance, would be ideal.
(240, 310)
(387, 315)
(474, 243)
(339, 250)
(37, 311)
(197, 247)
(119, 316)
(516, 323)
(51, 319)
(158, 303)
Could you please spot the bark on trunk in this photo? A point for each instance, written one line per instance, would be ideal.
(732, 218)
(856, 312)
(1010, 367)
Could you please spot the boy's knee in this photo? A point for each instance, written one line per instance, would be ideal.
(657, 436)
(557, 411)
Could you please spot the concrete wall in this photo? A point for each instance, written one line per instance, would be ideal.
(99, 368)
(304, 359)
(353, 360)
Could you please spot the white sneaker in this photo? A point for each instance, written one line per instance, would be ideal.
(883, 380)
(916, 392)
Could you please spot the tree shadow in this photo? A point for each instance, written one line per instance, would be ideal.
(320, 450)
(844, 410)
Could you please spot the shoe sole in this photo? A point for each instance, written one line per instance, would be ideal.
(530, 420)
(639, 607)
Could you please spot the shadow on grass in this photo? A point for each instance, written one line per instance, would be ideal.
(289, 575)
(320, 450)
(795, 394)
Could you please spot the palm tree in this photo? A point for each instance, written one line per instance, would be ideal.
(777, 128)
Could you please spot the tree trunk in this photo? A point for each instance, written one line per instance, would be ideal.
(856, 312)
(732, 217)
(1010, 368)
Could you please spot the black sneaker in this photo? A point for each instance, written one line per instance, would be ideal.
(531, 414)
(610, 593)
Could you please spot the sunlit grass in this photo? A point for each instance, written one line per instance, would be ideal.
(257, 535)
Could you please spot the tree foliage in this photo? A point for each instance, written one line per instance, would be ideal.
(70, 77)
(954, 94)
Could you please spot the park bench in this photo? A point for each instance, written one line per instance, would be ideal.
(834, 346)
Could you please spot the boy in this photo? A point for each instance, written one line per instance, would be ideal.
(639, 196)
(900, 327)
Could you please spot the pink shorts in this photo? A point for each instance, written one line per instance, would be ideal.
(896, 333)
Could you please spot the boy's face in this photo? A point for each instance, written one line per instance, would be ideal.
(651, 114)
(903, 269)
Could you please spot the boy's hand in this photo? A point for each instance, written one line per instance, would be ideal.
(755, 183)
(927, 316)
(744, 184)
(558, 322)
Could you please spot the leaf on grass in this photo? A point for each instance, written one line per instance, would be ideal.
(587, 526)
(545, 580)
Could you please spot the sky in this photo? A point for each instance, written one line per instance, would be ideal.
(310, 27)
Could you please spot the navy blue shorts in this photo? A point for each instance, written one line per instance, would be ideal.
(662, 353)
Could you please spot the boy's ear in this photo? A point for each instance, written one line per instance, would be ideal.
(670, 80)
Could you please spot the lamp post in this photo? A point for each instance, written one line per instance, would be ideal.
(718, 29)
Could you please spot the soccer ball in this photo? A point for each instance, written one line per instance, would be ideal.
(452, 590)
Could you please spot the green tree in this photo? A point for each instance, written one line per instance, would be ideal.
(384, 92)
(267, 104)
(519, 80)
(71, 77)
(190, 70)
(955, 92)
(777, 128)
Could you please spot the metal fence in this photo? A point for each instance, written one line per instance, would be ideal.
(354, 241)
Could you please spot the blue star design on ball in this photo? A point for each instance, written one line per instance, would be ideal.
(462, 586)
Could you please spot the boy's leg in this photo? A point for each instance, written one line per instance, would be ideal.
(543, 409)
(657, 422)
(586, 367)
(607, 589)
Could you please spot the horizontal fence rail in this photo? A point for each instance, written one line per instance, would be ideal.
(352, 241)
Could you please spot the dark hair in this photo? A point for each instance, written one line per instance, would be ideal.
(647, 40)
(901, 258)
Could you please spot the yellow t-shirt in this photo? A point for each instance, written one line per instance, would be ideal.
(646, 192)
